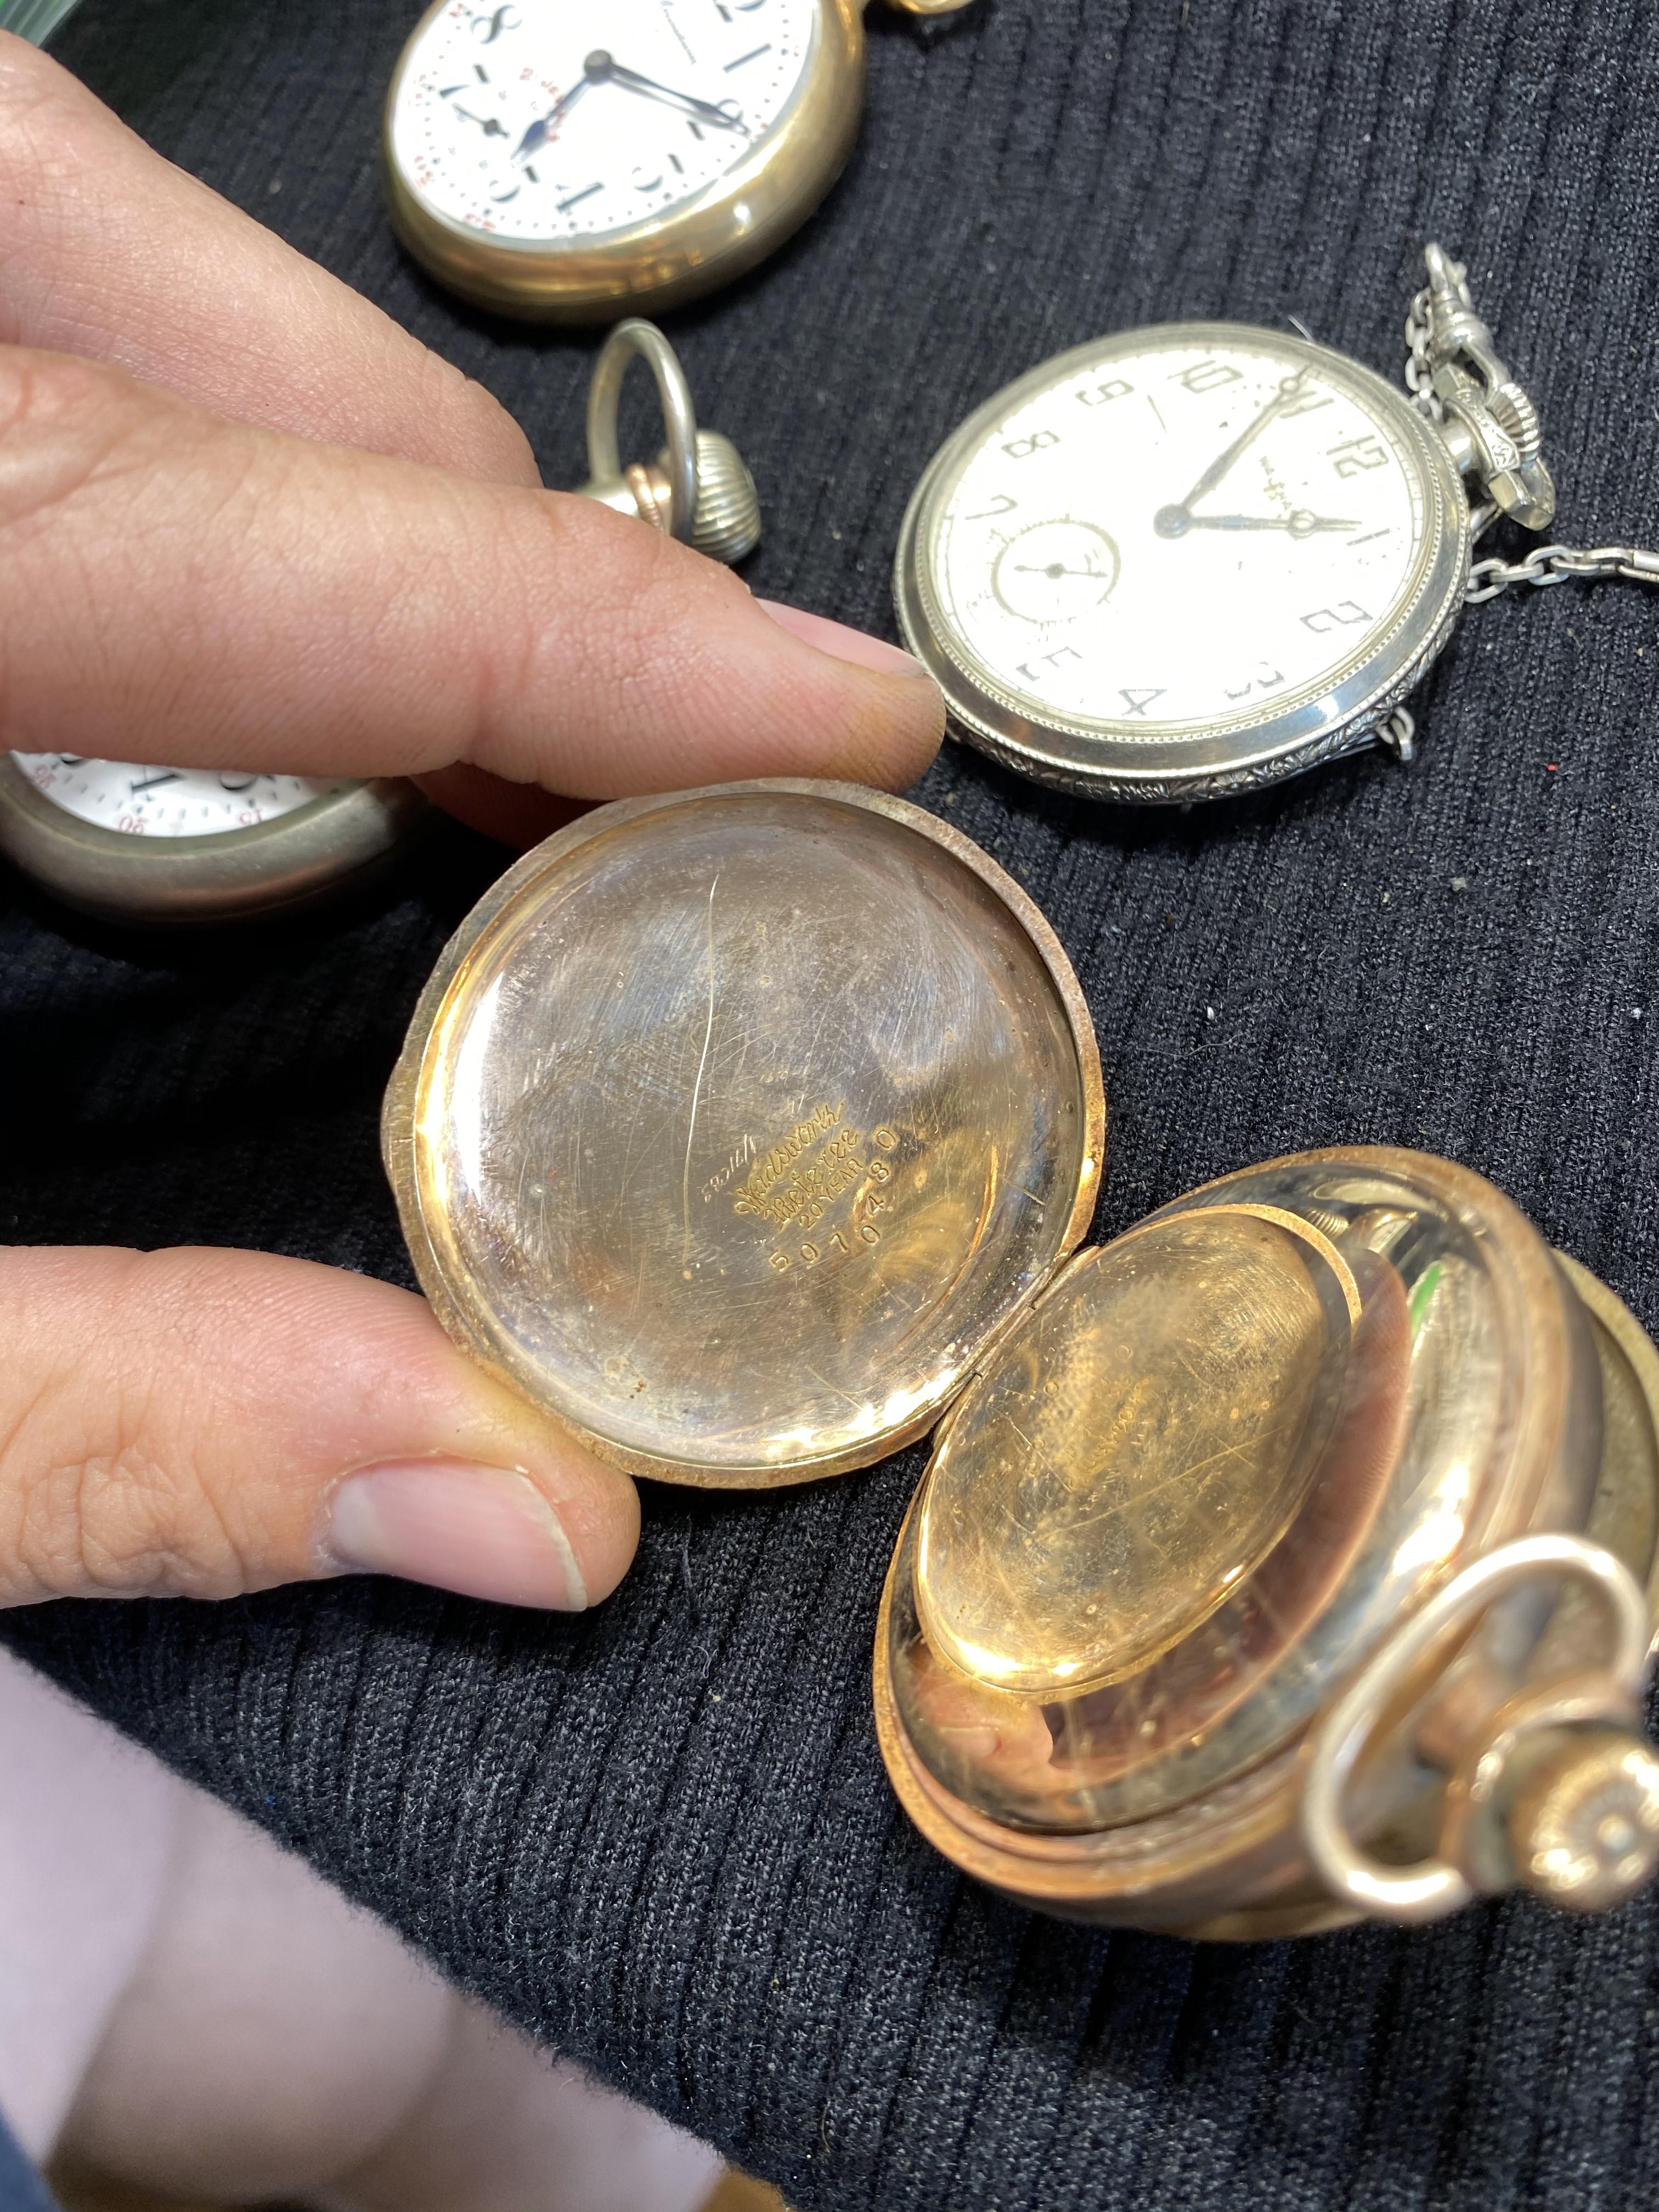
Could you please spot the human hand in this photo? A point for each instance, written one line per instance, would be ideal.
(246, 521)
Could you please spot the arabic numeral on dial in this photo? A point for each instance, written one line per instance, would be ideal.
(1097, 395)
(1021, 449)
(728, 10)
(1046, 660)
(1207, 376)
(1342, 616)
(1265, 679)
(488, 26)
(1002, 505)
(1354, 455)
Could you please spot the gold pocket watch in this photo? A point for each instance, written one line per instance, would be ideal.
(567, 163)
(1285, 1560)
(1187, 561)
(163, 847)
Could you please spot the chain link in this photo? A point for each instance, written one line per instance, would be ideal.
(1419, 366)
(1561, 564)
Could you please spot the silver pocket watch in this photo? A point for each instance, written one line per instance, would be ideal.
(163, 847)
(1190, 560)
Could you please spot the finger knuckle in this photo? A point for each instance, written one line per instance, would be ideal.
(61, 422)
(98, 1473)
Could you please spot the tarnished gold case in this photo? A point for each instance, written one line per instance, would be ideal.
(1286, 1559)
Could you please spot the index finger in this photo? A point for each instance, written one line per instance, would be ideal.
(114, 254)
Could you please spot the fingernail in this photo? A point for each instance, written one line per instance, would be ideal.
(842, 642)
(484, 1531)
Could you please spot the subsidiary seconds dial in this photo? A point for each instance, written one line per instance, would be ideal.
(1190, 554)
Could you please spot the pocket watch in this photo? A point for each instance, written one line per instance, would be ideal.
(566, 160)
(1288, 1559)
(160, 846)
(1190, 560)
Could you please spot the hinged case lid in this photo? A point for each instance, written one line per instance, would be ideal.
(734, 1126)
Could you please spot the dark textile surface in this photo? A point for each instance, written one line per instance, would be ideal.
(660, 1837)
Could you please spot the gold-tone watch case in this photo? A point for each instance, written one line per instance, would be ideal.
(661, 263)
(733, 1127)
(751, 1132)
(1127, 1777)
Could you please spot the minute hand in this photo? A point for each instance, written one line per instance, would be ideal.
(1218, 467)
(704, 109)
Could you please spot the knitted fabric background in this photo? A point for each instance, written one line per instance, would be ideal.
(660, 1837)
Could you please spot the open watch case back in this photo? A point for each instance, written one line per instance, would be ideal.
(1285, 1560)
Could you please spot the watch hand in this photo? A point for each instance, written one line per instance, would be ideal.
(1056, 568)
(1170, 521)
(1300, 525)
(704, 109)
(539, 131)
(488, 123)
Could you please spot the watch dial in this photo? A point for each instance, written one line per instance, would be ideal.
(167, 802)
(1188, 529)
(557, 123)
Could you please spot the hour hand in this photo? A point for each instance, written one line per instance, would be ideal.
(1177, 521)
(544, 126)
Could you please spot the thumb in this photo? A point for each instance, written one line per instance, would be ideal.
(200, 1423)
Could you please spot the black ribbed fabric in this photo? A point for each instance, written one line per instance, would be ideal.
(660, 1837)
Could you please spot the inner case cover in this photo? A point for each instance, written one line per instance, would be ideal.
(733, 1126)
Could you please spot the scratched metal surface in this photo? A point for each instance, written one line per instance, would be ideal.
(661, 1837)
(739, 1126)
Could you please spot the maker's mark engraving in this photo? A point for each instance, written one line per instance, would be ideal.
(795, 1183)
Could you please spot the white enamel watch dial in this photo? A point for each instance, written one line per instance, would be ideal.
(164, 845)
(570, 159)
(551, 123)
(165, 802)
(1183, 561)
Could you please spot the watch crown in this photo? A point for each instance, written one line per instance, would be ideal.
(726, 524)
(1584, 1826)
(1517, 417)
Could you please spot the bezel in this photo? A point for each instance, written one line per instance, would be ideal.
(1110, 759)
(666, 259)
(306, 854)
